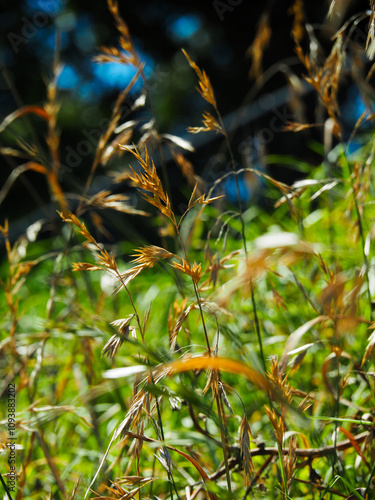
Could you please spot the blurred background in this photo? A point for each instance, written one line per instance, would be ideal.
(217, 34)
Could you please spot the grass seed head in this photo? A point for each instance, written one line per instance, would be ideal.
(245, 438)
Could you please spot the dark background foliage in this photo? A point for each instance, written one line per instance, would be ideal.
(216, 33)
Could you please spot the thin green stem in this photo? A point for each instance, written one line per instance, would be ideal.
(132, 304)
(257, 326)
(256, 318)
(361, 232)
(370, 480)
(284, 482)
(224, 440)
(195, 291)
(235, 178)
(337, 407)
(166, 452)
(365, 259)
(202, 317)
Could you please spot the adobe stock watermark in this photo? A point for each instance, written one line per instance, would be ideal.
(221, 7)
(4, 83)
(32, 24)
(220, 169)
(84, 148)
(279, 120)
(12, 438)
(88, 146)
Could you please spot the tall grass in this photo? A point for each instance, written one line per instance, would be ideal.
(235, 360)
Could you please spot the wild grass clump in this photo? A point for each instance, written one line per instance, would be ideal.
(233, 359)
